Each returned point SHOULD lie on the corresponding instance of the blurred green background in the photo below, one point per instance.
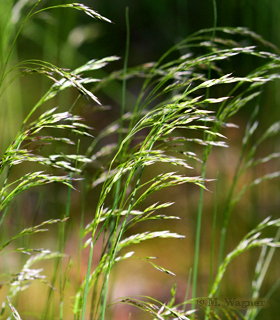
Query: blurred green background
(69, 38)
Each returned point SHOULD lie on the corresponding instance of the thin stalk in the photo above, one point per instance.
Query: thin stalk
(87, 280)
(81, 233)
(197, 240)
(125, 71)
(113, 223)
(213, 234)
(213, 244)
(118, 184)
(62, 247)
(200, 207)
(3, 215)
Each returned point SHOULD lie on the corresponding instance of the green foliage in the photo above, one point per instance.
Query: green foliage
(172, 127)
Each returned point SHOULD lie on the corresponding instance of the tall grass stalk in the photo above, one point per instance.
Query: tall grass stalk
(203, 174)
(118, 185)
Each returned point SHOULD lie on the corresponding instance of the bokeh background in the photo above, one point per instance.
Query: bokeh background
(69, 38)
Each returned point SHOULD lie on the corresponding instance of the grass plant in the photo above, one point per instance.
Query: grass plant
(184, 107)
